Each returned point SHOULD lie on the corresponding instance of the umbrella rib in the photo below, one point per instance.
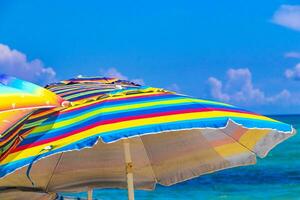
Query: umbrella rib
(147, 154)
(59, 159)
(237, 141)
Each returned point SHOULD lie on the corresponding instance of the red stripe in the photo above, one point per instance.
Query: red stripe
(129, 118)
(85, 106)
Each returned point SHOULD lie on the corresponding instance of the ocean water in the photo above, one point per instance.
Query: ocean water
(275, 177)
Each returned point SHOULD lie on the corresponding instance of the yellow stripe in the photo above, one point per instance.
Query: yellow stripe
(251, 137)
(95, 112)
(105, 110)
(120, 108)
(230, 149)
(117, 126)
(207, 114)
(7, 101)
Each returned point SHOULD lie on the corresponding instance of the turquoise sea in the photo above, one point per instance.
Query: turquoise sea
(275, 177)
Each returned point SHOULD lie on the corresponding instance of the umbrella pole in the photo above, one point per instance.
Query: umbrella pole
(129, 171)
(90, 193)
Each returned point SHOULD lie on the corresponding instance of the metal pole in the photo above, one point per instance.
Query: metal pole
(129, 171)
(90, 193)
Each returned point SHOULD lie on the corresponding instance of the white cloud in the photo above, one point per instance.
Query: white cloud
(293, 73)
(216, 89)
(114, 73)
(15, 63)
(239, 88)
(292, 54)
(282, 96)
(288, 16)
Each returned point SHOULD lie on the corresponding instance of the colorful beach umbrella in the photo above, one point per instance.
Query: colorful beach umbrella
(18, 100)
(110, 133)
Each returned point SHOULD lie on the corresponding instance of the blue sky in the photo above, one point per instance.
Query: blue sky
(244, 53)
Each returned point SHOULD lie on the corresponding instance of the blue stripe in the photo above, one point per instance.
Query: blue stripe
(12, 166)
(105, 116)
(124, 102)
(112, 136)
(98, 118)
(104, 104)
(248, 123)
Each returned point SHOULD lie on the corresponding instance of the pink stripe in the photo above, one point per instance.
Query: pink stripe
(112, 121)
(112, 100)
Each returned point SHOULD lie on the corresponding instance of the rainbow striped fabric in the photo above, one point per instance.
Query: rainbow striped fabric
(19, 100)
(113, 109)
(19, 94)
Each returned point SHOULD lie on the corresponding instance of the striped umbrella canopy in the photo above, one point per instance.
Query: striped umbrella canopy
(93, 132)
